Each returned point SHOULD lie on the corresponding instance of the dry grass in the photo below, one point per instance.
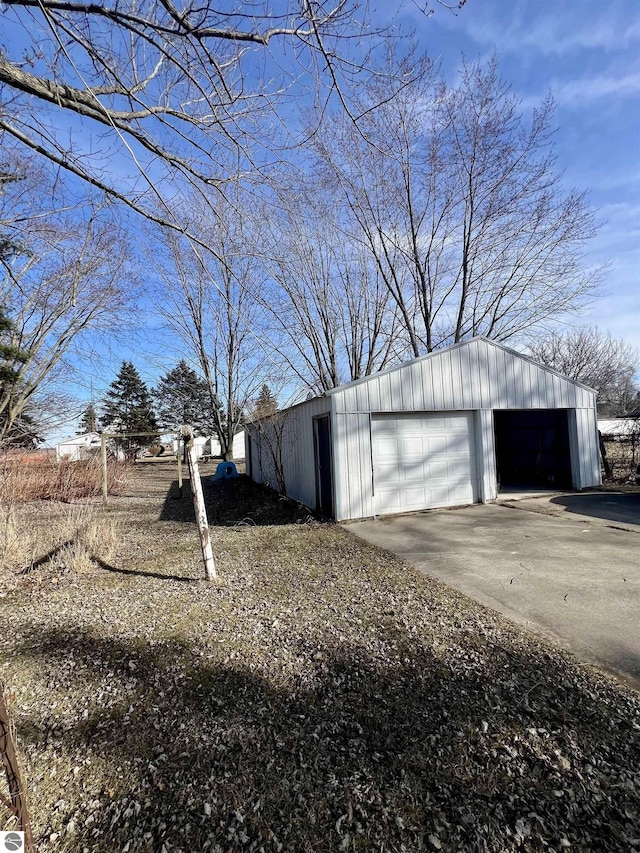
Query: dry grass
(322, 696)
(67, 538)
(624, 458)
(48, 480)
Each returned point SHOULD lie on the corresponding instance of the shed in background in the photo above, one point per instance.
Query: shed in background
(78, 447)
(450, 428)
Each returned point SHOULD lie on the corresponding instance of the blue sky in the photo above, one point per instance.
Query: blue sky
(587, 54)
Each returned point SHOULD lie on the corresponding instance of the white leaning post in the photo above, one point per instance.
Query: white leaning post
(198, 503)
(105, 470)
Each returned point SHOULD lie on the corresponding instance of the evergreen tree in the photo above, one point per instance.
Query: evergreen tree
(8, 246)
(128, 407)
(88, 421)
(16, 426)
(10, 356)
(266, 404)
(183, 397)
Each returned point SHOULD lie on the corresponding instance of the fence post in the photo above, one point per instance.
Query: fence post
(16, 801)
(179, 454)
(198, 503)
(105, 473)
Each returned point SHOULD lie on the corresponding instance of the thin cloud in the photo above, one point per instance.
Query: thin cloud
(604, 28)
(582, 91)
(586, 90)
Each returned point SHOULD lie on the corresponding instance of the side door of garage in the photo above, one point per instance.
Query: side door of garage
(423, 460)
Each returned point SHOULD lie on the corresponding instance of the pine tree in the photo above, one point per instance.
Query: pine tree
(16, 426)
(128, 408)
(266, 404)
(9, 247)
(182, 397)
(10, 356)
(88, 421)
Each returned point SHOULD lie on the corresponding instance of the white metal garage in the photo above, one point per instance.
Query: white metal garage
(449, 428)
(423, 460)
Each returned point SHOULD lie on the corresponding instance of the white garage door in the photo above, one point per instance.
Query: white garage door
(422, 461)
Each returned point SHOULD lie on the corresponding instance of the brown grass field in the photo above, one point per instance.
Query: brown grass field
(319, 696)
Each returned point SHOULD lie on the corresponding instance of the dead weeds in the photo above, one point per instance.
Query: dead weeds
(321, 696)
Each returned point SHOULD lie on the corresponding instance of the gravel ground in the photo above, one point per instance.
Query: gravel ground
(321, 696)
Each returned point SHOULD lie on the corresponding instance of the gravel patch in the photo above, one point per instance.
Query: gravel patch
(321, 696)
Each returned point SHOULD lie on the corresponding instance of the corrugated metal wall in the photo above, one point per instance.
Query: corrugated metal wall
(478, 376)
(297, 454)
(352, 465)
(583, 436)
(475, 375)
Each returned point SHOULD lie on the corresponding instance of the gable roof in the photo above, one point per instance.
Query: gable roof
(436, 353)
(80, 439)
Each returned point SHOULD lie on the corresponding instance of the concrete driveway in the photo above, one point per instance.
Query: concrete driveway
(573, 576)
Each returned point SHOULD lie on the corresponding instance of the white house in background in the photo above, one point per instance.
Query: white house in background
(238, 446)
(78, 447)
(619, 429)
(206, 446)
(447, 429)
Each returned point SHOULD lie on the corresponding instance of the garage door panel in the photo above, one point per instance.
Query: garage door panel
(435, 444)
(412, 446)
(387, 446)
(414, 497)
(388, 474)
(438, 469)
(457, 422)
(422, 461)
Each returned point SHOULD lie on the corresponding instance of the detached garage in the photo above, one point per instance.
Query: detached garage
(451, 428)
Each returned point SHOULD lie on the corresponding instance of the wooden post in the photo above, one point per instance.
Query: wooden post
(16, 802)
(179, 467)
(105, 473)
(198, 503)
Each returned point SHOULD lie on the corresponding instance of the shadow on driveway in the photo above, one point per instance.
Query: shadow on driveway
(611, 506)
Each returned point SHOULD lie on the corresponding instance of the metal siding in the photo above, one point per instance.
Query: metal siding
(438, 392)
(298, 455)
(590, 472)
(472, 376)
(340, 461)
(512, 388)
(353, 466)
(461, 378)
(417, 390)
(574, 449)
(476, 380)
(526, 384)
(476, 376)
(486, 455)
(450, 392)
(374, 395)
(461, 389)
(362, 397)
(483, 360)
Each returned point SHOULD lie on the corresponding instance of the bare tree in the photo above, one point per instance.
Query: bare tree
(210, 308)
(456, 196)
(329, 309)
(174, 89)
(276, 445)
(68, 279)
(606, 364)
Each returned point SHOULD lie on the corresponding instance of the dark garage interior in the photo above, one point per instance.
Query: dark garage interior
(532, 449)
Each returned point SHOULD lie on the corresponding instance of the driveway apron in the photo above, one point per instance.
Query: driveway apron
(573, 579)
